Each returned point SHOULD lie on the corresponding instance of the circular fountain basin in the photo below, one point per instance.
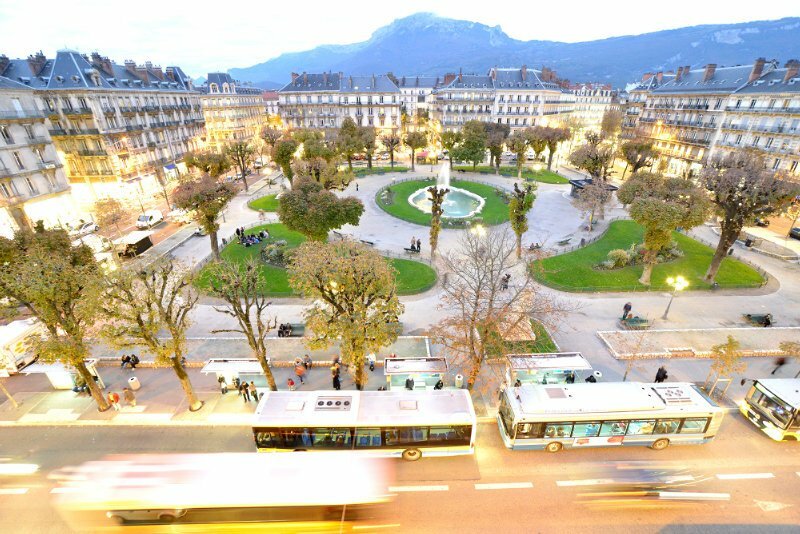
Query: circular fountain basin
(458, 203)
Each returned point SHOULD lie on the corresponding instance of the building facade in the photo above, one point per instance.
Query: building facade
(517, 97)
(33, 186)
(702, 112)
(270, 99)
(324, 100)
(592, 100)
(232, 112)
(416, 93)
(120, 130)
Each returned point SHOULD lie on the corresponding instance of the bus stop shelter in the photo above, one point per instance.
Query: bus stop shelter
(234, 370)
(62, 376)
(545, 368)
(426, 372)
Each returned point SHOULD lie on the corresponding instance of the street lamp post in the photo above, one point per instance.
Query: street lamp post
(678, 283)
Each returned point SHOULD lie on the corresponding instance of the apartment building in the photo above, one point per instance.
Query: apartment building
(518, 97)
(416, 93)
(704, 111)
(33, 186)
(120, 130)
(592, 100)
(636, 100)
(270, 99)
(232, 111)
(324, 100)
(765, 115)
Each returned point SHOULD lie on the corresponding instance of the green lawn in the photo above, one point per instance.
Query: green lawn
(543, 176)
(364, 171)
(575, 271)
(267, 203)
(412, 276)
(495, 211)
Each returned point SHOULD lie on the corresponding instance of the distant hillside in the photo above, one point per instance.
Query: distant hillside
(427, 44)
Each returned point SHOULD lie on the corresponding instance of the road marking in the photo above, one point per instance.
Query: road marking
(744, 476)
(418, 488)
(504, 485)
(13, 491)
(65, 489)
(587, 482)
(693, 495)
(771, 506)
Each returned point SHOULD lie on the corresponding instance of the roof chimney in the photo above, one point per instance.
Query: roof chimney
(460, 76)
(686, 70)
(141, 72)
(324, 78)
(170, 73)
(448, 78)
(524, 73)
(678, 74)
(646, 76)
(131, 66)
(792, 68)
(4, 61)
(374, 82)
(158, 73)
(36, 62)
(758, 69)
(659, 77)
(709, 73)
(305, 79)
(294, 76)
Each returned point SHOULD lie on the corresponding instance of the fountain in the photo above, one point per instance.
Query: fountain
(458, 203)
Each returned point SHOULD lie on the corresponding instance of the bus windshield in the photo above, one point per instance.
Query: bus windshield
(769, 404)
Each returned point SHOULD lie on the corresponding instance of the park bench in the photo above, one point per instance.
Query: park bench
(565, 242)
(411, 250)
(535, 246)
(298, 330)
(759, 319)
(368, 243)
(635, 323)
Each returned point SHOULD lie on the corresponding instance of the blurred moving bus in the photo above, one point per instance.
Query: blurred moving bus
(773, 405)
(606, 414)
(379, 423)
(228, 492)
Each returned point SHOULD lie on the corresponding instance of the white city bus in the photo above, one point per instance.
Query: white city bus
(402, 423)
(224, 492)
(773, 405)
(553, 417)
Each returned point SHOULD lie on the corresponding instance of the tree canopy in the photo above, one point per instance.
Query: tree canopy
(349, 141)
(415, 141)
(496, 135)
(518, 207)
(313, 211)
(472, 147)
(213, 164)
(282, 154)
(391, 141)
(449, 140)
(205, 198)
(241, 154)
(638, 153)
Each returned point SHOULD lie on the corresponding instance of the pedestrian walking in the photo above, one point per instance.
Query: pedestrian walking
(253, 391)
(419, 245)
(371, 360)
(113, 399)
(134, 361)
(223, 385)
(337, 384)
(290, 383)
(129, 396)
(661, 374)
(126, 360)
(245, 391)
(409, 383)
(413, 243)
(307, 361)
(300, 371)
(780, 362)
(356, 186)
(626, 310)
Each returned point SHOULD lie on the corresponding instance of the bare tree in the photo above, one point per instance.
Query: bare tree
(243, 289)
(140, 305)
(481, 312)
(592, 199)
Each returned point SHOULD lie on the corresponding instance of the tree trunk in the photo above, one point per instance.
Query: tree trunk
(726, 239)
(350, 162)
(519, 168)
(497, 165)
(391, 158)
(244, 181)
(450, 158)
(369, 161)
(591, 220)
(262, 359)
(11, 399)
(550, 155)
(519, 246)
(412, 159)
(94, 389)
(624, 171)
(646, 272)
(214, 244)
(194, 403)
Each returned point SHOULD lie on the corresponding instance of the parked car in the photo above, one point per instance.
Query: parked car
(84, 229)
(762, 222)
(795, 232)
(149, 219)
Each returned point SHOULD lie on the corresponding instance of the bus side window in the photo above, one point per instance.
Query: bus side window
(268, 438)
(368, 437)
(667, 426)
(694, 426)
(558, 430)
(641, 427)
(587, 430)
(332, 438)
(613, 428)
(529, 430)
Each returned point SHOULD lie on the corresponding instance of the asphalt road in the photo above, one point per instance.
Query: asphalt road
(516, 491)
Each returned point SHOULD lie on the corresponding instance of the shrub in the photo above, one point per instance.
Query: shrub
(618, 258)
(607, 265)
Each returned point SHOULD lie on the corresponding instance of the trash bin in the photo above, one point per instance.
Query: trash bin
(134, 383)
(459, 381)
(748, 242)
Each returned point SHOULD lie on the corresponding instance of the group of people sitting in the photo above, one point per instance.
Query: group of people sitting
(285, 330)
(249, 240)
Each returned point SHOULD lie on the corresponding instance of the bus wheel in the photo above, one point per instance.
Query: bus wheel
(300, 450)
(553, 446)
(166, 518)
(412, 455)
(660, 444)
(119, 520)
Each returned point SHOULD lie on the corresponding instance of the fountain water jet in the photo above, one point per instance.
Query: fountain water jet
(458, 203)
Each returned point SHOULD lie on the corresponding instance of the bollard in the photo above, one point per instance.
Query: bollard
(134, 383)
(459, 381)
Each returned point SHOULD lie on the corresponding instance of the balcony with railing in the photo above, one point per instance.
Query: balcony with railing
(78, 111)
(60, 132)
(763, 109)
(22, 114)
(48, 165)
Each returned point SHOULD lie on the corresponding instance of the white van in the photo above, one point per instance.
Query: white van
(149, 219)
(14, 350)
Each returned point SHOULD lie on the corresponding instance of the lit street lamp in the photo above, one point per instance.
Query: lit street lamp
(678, 283)
(478, 230)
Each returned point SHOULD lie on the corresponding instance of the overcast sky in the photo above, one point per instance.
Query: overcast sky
(202, 36)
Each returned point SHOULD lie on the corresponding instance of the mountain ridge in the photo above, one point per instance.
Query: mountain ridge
(424, 43)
